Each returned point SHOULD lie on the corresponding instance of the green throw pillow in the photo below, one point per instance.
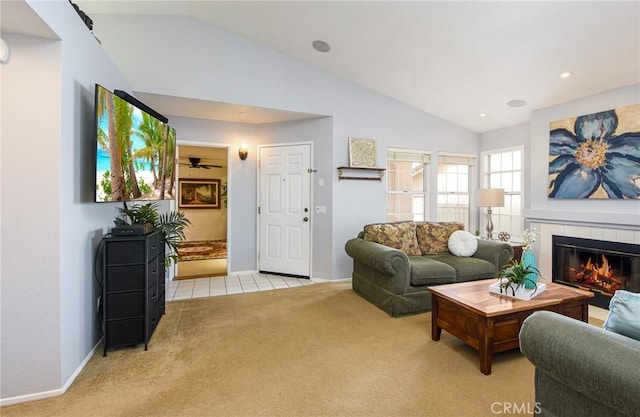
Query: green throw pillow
(624, 314)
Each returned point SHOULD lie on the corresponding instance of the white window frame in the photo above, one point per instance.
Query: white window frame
(411, 155)
(457, 159)
(505, 218)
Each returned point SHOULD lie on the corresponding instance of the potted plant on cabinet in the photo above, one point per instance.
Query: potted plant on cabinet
(171, 224)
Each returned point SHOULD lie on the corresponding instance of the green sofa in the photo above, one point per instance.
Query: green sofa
(580, 369)
(398, 283)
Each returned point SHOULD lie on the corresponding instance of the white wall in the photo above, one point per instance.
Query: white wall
(31, 339)
(318, 131)
(627, 212)
(241, 180)
(506, 138)
(211, 64)
(48, 307)
(50, 225)
(613, 220)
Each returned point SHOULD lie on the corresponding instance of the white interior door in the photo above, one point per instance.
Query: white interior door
(285, 209)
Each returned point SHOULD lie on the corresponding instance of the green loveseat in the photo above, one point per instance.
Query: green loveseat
(397, 282)
(581, 370)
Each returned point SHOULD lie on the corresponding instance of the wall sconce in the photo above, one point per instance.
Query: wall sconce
(490, 197)
(243, 152)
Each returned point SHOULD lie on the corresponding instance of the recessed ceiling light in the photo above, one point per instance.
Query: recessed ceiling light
(517, 103)
(321, 46)
(483, 115)
(565, 75)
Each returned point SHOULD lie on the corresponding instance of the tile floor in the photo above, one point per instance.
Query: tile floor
(231, 284)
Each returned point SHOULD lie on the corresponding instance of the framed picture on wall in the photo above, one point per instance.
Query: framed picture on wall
(362, 152)
(199, 193)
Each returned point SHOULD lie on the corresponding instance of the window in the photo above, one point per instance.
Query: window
(503, 169)
(454, 179)
(407, 184)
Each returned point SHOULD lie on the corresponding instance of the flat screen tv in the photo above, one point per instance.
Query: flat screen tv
(135, 150)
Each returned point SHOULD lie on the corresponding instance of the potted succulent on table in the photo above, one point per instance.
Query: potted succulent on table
(172, 224)
(514, 278)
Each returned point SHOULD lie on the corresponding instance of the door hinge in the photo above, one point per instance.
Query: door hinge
(258, 209)
(310, 171)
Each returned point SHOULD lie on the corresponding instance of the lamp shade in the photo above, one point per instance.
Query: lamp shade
(490, 197)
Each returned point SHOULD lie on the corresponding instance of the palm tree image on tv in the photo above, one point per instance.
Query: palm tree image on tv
(135, 152)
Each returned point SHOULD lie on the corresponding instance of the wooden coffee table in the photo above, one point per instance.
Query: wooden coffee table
(490, 323)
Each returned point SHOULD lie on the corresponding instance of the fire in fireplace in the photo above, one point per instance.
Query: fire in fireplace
(601, 277)
(596, 265)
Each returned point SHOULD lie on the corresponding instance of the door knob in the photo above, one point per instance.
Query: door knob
(306, 219)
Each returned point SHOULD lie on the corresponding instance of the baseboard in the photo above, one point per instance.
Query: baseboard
(30, 397)
(52, 393)
(314, 279)
(330, 280)
(183, 277)
(80, 367)
(242, 272)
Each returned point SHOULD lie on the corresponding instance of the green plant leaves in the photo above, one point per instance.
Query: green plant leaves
(172, 224)
(517, 274)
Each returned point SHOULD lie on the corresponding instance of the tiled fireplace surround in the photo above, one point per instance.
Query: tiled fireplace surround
(543, 247)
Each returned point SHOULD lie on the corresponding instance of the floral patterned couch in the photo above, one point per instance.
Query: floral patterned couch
(395, 263)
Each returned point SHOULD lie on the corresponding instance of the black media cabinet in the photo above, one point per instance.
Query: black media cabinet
(133, 289)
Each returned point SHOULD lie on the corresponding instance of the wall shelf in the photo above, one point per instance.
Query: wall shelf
(360, 173)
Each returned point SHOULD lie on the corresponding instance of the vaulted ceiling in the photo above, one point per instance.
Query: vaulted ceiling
(453, 59)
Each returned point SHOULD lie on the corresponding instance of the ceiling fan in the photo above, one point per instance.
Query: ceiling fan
(195, 163)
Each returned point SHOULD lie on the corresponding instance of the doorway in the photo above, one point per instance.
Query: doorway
(201, 196)
(284, 216)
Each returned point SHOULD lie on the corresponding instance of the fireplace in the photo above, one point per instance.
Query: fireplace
(596, 265)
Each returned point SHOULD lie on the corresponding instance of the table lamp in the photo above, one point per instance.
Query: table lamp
(490, 197)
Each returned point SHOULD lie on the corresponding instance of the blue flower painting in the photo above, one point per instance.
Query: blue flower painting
(598, 158)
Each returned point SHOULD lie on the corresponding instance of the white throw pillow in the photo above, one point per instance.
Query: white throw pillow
(462, 243)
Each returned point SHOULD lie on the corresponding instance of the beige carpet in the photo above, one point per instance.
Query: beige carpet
(317, 350)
